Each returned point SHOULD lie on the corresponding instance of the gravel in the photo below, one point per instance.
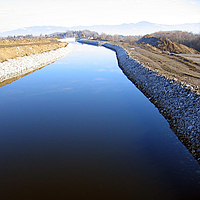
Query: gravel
(88, 42)
(176, 102)
(23, 65)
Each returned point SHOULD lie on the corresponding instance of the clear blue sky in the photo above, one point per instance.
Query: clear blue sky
(23, 13)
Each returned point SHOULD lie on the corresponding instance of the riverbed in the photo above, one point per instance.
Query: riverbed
(79, 129)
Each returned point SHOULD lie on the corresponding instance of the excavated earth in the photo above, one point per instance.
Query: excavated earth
(183, 68)
(166, 44)
(13, 48)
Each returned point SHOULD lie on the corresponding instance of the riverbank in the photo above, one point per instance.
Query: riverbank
(183, 68)
(178, 104)
(16, 68)
(88, 42)
(175, 101)
(14, 48)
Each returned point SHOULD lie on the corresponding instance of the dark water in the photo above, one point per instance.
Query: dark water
(79, 129)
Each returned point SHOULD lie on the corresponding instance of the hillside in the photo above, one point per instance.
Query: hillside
(166, 44)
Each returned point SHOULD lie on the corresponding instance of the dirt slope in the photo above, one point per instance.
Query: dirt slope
(23, 47)
(166, 44)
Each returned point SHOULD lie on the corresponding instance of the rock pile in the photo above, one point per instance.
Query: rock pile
(177, 103)
(23, 65)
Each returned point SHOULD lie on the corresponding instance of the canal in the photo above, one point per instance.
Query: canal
(79, 129)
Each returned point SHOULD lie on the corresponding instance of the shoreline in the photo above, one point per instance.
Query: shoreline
(88, 42)
(178, 104)
(21, 66)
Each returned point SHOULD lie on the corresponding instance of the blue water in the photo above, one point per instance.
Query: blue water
(79, 129)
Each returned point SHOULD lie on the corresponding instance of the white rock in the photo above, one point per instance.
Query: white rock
(26, 64)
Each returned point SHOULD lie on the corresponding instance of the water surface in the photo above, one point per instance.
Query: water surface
(79, 129)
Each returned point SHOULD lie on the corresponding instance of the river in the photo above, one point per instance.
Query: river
(79, 129)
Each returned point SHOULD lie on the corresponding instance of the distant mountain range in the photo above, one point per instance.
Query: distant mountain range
(34, 30)
(140, 28)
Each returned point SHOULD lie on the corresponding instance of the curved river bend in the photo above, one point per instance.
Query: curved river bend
(79, 129)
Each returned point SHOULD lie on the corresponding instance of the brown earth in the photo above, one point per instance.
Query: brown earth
(165, 44)
(13, 48)
(180, 67)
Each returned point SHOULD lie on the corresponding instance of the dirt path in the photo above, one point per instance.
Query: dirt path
(184, 68)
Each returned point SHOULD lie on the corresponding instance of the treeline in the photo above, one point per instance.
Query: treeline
(96, 35)
(22, 37)
(76, 34)
(189, 39)
(120, 38)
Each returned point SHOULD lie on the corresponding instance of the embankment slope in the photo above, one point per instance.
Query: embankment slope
(33, 56)
(177, 103)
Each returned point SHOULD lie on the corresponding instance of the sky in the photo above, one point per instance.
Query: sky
(16, 14)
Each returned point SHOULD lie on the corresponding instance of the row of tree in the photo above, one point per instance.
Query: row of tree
(120, 38)
(96, 35)
(76, 34)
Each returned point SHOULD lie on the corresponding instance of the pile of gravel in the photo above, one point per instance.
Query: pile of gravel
(177, 103)
(23, 65)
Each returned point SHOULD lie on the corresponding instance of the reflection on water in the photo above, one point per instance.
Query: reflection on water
(79, 129)
(8, 81)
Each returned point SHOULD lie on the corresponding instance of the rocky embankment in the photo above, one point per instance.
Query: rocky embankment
(88, 42)
(178, 104)
(26, 64)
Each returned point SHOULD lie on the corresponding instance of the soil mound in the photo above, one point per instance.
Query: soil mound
(165, 44)
(13, 48)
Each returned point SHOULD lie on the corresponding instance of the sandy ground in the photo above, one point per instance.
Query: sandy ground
(184, 68)
(13, 48)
